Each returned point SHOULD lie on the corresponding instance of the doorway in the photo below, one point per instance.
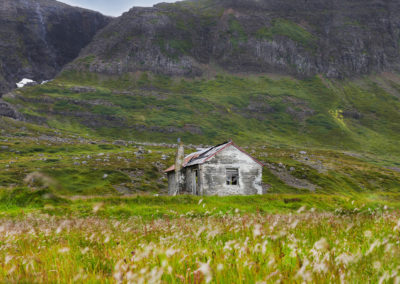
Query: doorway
(195, 182)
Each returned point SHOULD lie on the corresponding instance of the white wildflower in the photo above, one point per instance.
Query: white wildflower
(294, 224)
(320, 267)
(374, 245)
(85, 250)
(257, 230)
(345, 259)
(97, 207)
(397, 227)
(170, 252)
(7, 259)
(384, 278)
(301, 209)
(368, 234)
(321, 245)
(303, 272)
(63, 250)
(377, 265)
(205, 269)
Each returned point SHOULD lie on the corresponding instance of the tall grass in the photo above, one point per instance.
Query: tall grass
(219, 248)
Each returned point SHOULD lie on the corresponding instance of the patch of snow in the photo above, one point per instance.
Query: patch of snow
(25, 82)
(45, 82)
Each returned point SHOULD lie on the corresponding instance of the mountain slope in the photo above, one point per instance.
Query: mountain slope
(361, 115)
(132, 81)
(38, 37)
(192, 38)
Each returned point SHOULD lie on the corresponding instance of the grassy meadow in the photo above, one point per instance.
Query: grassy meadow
(78, 205)
(76, 209)
(215, 246)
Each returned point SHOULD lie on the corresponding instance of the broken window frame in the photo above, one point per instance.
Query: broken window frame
(232, 176)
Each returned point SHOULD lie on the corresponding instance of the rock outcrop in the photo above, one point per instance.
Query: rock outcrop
(8, 110)
(38, 37)
(337, 38)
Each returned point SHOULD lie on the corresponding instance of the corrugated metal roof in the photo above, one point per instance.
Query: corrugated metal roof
(207, 154)
(203, 156)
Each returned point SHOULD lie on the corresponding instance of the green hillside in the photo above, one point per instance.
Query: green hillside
(299, 129)
(361, 115)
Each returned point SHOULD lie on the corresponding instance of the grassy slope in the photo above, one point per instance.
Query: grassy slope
(77, 166)
(349, 130)
(357, 116)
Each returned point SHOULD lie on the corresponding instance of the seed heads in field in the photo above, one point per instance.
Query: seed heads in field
(321, 245)
(7, 259)
(97, 207)
(64, 250)
(12, 269)
(303, 273)
(345, 259)
(294, 224)
(368, 234)
(373, 246)
(257, 230)
(397, 227)
(377, 265)
(171, 252)
(163, 250)
(85, 250)
(301, 209)
(320, 267)
(205, 269)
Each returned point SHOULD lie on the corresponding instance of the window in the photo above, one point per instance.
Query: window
(232, 176)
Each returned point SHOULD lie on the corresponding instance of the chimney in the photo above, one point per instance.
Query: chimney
(180, 156)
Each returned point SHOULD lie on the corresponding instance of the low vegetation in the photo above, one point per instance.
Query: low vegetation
(216, 246)
(77, 205)
(76, 209)
(357, 116)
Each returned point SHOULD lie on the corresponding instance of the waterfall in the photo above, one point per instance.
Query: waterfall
(42, 25)
(43, 36)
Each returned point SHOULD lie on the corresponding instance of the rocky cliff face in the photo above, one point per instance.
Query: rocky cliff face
(338, 38)
(38, 37)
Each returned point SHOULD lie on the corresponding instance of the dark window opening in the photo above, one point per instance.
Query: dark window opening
(232, 176)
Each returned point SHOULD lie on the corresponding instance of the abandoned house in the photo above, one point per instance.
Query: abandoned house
(221, 170)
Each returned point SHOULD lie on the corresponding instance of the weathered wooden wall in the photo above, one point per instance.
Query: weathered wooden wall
(171, 183)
